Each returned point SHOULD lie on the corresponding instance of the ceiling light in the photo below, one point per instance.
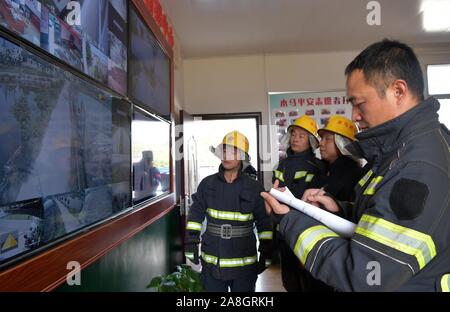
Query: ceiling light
(436, 15)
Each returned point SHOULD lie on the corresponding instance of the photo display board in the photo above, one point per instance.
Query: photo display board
(285, 108)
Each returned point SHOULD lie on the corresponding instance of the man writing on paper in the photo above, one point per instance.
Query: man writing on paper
(402, 204)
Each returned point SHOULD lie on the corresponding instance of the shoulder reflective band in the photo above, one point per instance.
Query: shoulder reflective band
(279, 175)
(309, 177)
(229, 215)
(189, 255)
(406, 240)
(445, 283)
(300, 174)
(195, 226)
(309, 238)
(365, 178)
(370, 190)
(265, 235)
(229, 263)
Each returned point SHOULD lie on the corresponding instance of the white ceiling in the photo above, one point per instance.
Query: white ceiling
(209, 28)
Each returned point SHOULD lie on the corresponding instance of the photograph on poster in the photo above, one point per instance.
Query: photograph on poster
(309, 112)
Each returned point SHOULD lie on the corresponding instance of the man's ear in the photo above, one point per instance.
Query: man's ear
(400, 91)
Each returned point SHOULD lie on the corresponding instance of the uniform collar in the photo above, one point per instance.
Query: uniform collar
(304, 154)
(221, 172)
(384, 138)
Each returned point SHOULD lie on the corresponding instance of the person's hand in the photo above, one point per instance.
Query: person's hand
(317, 198)
(191, 253)
(273, 206)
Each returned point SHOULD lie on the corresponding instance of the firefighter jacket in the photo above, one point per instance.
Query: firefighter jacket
(342, 176)
(402, 238)
(237, 204)
(300, 171)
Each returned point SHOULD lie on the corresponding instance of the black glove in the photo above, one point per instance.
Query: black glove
(263, 263)
(276, 218)
(191, 252)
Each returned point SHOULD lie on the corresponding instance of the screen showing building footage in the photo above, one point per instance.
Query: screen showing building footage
(65, 158)
(90, 35)
(149, 68)
(150, 152)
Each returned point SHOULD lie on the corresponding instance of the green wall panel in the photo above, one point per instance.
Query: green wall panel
(129, 267)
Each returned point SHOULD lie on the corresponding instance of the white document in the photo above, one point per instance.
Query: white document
(337, 224)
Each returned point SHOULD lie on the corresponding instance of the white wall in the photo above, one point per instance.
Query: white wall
(241, 83)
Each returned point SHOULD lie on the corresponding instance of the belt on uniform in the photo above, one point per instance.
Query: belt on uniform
(228, 231)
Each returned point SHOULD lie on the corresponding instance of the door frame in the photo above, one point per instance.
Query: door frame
(246, 115)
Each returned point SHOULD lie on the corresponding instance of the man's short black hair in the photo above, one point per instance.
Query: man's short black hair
(388, 60)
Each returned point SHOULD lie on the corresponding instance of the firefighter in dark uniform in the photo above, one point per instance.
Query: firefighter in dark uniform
(299, 171)
(343, 172)
(402, 209)
(232, 206)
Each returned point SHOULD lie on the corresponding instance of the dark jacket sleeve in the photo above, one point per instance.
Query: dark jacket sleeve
(396, 235)
(196, 214)
(263, 223)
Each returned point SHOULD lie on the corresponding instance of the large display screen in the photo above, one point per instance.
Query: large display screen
(90, 35)
(151, 156)
(149, 68)
(65, 147)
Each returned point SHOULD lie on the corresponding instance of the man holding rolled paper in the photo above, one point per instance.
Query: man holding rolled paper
(401, 239)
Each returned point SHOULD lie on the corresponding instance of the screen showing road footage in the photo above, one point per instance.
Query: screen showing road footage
(90, 35)
(149, 68)
(65, 160)
(151, 156)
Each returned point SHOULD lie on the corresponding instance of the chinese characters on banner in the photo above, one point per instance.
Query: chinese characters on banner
(156, 10)
(285, 108)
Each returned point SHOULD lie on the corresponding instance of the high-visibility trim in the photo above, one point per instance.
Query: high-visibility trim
(406, 240)
(229, 263)
(189, 255)
(365, 178)
(370, 190)
(300, 174)
(279, 175)
(309, 177)
(229, 215)
(445, 283)
(265, 235)
(309, 238)
(195, 226)
(268, 262)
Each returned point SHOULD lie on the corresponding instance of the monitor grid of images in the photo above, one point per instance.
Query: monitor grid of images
(65, 160)
(149, 68)
(90, 35)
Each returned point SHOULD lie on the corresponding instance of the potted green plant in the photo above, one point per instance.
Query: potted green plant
(183, 280)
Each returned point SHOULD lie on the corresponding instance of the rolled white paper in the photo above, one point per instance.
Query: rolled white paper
(337, 224)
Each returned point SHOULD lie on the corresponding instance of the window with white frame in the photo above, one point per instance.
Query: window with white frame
(439, 87)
